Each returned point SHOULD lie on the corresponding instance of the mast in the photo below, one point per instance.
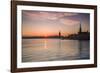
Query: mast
(80, 29)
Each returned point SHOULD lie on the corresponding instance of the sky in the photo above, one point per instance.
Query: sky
(48, 23)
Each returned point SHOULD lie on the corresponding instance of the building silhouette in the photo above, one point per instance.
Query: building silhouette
(59, 34)
(80, 29)
(81, 35)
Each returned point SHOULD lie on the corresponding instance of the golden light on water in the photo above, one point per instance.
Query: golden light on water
(50, 50)
(45, 44)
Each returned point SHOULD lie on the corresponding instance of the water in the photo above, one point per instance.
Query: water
(38, 50)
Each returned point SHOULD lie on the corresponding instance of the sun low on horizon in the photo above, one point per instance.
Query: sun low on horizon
(48, 23)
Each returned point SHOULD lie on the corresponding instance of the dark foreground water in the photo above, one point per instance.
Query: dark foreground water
(37, 50)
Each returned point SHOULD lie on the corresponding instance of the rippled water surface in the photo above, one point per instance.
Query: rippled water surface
(36, 50)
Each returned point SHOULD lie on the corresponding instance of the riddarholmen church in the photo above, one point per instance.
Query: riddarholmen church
(79, 36)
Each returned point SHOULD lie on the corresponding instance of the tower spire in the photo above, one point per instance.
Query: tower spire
(59, 34)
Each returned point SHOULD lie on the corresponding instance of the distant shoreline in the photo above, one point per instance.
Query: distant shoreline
(55, 38)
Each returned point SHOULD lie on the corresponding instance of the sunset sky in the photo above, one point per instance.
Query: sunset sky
(47, 23)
